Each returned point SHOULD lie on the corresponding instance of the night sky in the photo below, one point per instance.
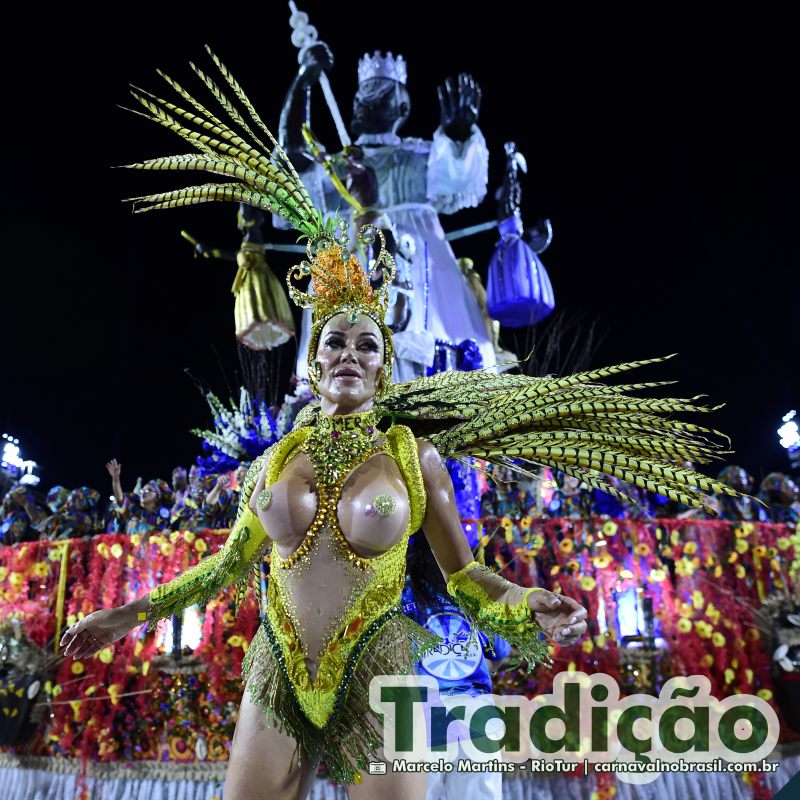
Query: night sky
(663, 150)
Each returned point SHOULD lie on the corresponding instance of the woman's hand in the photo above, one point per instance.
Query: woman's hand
(561, 618)
(97, 630)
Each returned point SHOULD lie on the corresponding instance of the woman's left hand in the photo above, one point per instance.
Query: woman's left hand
(561, 618)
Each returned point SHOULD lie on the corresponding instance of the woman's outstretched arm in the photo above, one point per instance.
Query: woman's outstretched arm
(491, 600)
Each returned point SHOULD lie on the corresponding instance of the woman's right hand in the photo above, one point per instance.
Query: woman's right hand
(97, 630)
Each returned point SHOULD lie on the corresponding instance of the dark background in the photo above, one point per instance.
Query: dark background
(663, 149)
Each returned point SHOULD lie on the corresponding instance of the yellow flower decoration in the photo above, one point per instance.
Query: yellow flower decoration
(106, 655)
(601, 561)
(704, 630)
(675, 538)
(167, 548)
(740, 571)
(765, 694)
(116, 549)
(748, 528)
(642, 549)
(729, 675)
(657, 575)
(609, 528)
(718, 571)
(525, 522)
(136, 540)
(77, 668)
(666, 552)
(587, 646)
(690, 548)
(114, 691)
(625, 574)
(718, 640)
(707, 661)
(739, 533)
(742, 546)
(684, 568)
(566, 545)
(16, 580)
(188, 537)
(555, 570)
(41, 569)
(200, 546)
(760, 551)
(236, 640)
(698, 601)
(684, 625)
(588, 583)
(174, 536)
(733, 557)
(685, 610)
(713, 613)
(102, 548)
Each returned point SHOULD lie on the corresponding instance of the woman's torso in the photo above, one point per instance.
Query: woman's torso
(323, 575)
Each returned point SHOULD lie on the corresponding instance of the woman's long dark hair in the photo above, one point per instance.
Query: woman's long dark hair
(425, 577)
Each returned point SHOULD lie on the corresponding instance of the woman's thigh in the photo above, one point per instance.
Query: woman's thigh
(263, 762)
(392, 785)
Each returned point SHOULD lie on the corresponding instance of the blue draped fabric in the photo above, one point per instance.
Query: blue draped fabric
(519, 291)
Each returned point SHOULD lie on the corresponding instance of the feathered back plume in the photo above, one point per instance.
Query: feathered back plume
(261, 175)
(571, 424)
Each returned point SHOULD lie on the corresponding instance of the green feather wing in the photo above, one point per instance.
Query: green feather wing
(573, 424)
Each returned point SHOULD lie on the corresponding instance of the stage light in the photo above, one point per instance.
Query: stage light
(788, 432)
(11, 455)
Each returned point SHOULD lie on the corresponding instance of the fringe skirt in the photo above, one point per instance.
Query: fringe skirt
(352, 735)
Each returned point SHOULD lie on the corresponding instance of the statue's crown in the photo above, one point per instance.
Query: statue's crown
(378, 66)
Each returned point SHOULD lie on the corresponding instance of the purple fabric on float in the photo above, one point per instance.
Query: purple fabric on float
(519, 291)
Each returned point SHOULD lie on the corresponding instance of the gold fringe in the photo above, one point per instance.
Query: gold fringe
(352, 735)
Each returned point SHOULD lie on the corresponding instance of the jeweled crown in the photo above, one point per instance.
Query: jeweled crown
(340, 285)
(378, 66)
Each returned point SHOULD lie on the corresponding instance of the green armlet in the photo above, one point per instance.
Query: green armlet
(233, 564)
(514, 623)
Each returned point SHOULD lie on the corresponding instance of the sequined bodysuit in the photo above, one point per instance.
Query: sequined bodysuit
(331, 592)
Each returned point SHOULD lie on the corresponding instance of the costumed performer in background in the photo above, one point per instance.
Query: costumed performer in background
(337, 498)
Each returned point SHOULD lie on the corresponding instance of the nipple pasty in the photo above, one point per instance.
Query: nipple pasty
(384, 504)
(264, 499)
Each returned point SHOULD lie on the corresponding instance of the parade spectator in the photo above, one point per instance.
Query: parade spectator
(19, 516)
(779, 493)
(180, 487)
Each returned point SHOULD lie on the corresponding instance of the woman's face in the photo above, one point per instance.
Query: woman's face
(350, 357)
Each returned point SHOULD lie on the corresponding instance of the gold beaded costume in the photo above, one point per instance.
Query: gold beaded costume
(309, 668)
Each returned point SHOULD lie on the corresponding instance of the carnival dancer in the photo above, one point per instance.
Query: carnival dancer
(337, 498)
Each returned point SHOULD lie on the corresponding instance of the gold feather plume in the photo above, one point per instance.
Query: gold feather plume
(260, 176)
(573, 424)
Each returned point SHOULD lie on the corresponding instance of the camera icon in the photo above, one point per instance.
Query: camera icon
(377, 768)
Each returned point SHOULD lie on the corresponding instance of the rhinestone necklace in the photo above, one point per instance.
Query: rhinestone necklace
(337, 444)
